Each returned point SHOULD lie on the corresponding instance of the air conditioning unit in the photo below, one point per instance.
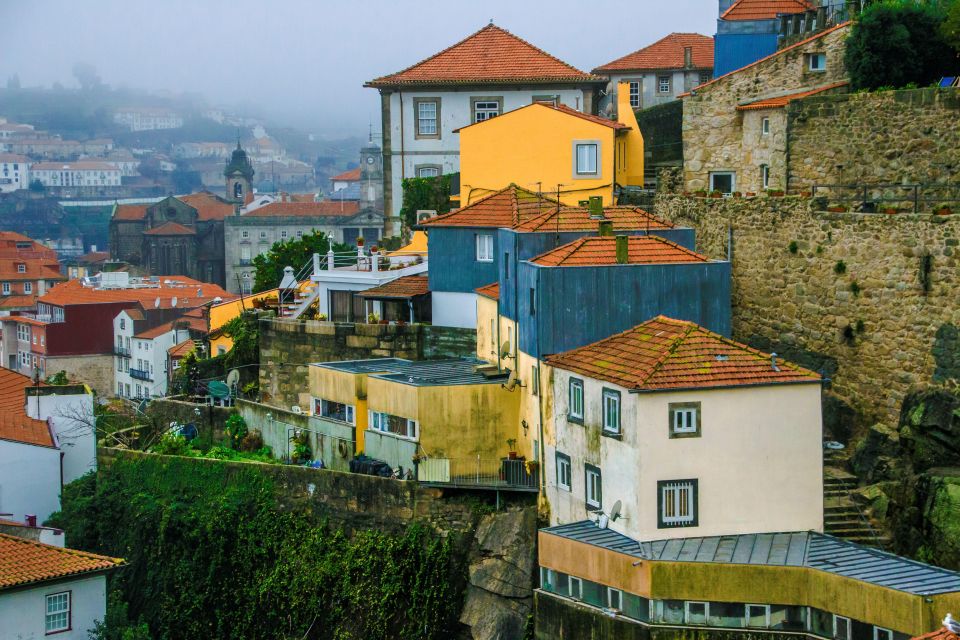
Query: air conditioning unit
(296, 409)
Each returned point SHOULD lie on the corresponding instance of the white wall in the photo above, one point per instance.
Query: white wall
(758, 460)
(74, 424)
(29, 480)
(22, 612)
(454, 309)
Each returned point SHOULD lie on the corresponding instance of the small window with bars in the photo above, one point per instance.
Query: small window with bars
(677, 503)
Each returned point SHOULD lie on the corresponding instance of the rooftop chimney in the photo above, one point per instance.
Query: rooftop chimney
(623, 251)
(30, 520)
(605, 227)
(596, 206)
(688, 57)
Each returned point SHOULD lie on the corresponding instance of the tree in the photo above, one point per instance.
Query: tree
(37, 187)
(86, 74)
(184, 179)
(293, 253)
(894, 43)
(424, 193)
(950, 29)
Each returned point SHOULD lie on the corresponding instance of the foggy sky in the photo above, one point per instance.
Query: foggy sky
(304, 62)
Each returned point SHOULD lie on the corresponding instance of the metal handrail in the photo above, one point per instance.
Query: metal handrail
(478, 472)
(868, 195)
(141, 374)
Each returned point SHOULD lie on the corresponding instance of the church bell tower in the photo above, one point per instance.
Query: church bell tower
(239, 175)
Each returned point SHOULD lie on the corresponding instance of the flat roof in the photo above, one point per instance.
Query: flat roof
(373, 365)
(420, 373)
(808, 549)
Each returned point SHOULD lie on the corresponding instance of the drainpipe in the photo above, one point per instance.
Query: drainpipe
(403, 158)
(543, 461)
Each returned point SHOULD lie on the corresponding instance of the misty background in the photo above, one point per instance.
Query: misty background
(301, 63)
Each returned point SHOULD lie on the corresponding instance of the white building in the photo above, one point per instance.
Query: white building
(141, 354)
(84, 173)
(14, 172)
(480, 77)
(49, 591)
(148, 118)
(690, 433)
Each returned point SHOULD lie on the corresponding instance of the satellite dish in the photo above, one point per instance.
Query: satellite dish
(511, 381)
(615, 511)
(156, 303)
(217, 300)
(505, 349)
(218, 389)
(233, 378)
(296, 409)
(173, 302)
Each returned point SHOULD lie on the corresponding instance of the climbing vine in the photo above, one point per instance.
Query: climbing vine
(211, 554)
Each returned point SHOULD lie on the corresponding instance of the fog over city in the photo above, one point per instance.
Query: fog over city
(303, 63)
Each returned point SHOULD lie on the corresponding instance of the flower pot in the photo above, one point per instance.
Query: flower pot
(890, 211)
(837, 209)
(512, 455)
(751, 194)
(359, 242)
(945, 211)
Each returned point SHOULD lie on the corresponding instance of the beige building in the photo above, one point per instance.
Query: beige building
(692, 434)
(735, 127)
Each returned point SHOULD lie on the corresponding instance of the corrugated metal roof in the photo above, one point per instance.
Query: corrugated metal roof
(795, 549)
(373, 365)
(421, 373)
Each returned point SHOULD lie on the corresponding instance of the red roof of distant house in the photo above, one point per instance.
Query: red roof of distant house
(405, 287)
(666, 53)
(14, 157)
(348, 176)
(505, 208)
(940, 634)
(664, 353)
(33, 322)
(24, 562)
(182, 288)
(208, 206)
(782, 101)
(14, 423)
(130, 212)
(170, 229)
(624, 218)
(491, 291)
(18, 302)
(327, 208)
(764, 9)
(182, 349)
(596, 251)
(562, 108)
(94, 257)
(492, 55)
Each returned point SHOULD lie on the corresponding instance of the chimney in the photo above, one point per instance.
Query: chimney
(31, 520)
(623, 250)
(605, 228)
(596, 207)
(688, 57)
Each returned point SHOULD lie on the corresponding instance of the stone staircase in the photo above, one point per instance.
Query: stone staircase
(841, 515)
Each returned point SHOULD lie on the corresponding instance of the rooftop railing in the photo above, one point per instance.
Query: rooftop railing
(141, 374)
(480, 473)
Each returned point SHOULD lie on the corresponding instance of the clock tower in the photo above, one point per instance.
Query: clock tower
(371, 176)
(239, 175)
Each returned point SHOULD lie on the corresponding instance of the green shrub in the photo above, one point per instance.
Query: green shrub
(236, 429)
(840, 268)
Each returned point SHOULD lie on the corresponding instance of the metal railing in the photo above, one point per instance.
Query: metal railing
(141, 374)
(886, 197)
(489, 473)
(123, 352)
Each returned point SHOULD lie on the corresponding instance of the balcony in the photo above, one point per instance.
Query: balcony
(123, 352)
(141, 374)
(480, 473)
(245, 262)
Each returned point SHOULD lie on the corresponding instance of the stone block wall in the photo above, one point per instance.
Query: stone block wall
(872, 300)
(287, 347)
(209, 420)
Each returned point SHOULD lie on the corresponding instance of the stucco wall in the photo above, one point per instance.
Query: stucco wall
(29, 480)
(22, 612)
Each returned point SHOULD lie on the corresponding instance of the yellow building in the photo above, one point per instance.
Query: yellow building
(543, 145)
(224, 312)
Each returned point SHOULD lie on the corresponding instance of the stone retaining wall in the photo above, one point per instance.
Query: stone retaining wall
(869, 299)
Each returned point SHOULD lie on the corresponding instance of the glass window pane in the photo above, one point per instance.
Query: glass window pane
(696, 613)
(725, 614)
(673, 611)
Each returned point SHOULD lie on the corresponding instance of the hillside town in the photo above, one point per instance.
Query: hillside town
(666, 348)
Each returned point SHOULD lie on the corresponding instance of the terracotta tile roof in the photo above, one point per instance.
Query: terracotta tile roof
(14, 157)
(73, 166)
(133, 313)
(764, 9)
(130, 212)
(624, 218)
(505, 208)
(666, 53)
(613, 124)
(170, 229)
(189, 320)
(664, 353)
(491, 291)
(33, 322)
(405, 287)
(20, 302)
(13, 236)
(153, 332)
(180, 350)
(14, 423)
(347, 176)
(327, 208)
(25, 562)
(43, 269)
(492, 55)
(940, 634)
(208, 205)
(599, 251)
(782, 101)
(94, 257)
(181, 287)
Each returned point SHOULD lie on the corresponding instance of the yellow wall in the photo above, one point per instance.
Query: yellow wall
(531, 145)
(486, 337)
(630, 151)
(221, 314)
(345, 387)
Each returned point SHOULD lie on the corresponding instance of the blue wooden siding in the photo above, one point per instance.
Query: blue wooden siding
(579, 305)
(733, 51)
(453, 259)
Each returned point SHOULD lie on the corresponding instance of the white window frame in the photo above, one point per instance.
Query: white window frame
(424, 118)
(684, 420)
(611, 399)
(880, 633)
(548, 578)
(21, 268)
(586, 164)
(564, 472)
(664, 81)
(593, 487)
(483, 111)
(849, 627)
(671, 493)
(818, 58)
(765, 126)
(62, 607)
(733, 180)
(614, 599)
(636, 93)
(747, 616)
(579, 591)
(765, 175)
(484, 247)
(428, 172)
(244, 234)
(686, 612)
(351, 410)
(6, 288)
(575, 402)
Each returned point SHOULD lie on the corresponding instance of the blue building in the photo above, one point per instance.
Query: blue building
(748, 30)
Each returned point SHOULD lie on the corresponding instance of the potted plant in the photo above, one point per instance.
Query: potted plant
(836, 209)
(737, 194)
(890, 211)
(751, 194)
(775, 193)
(806, 194)
(359, 241)
(532, 467)
(700, 193)
(943, 210)
(716, 193)
(374, 249)
(512, 448)
(321, 316)
(373, 318)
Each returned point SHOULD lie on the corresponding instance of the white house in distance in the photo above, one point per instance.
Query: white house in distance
(85, 173)
(14, 172)
(50, 591)
(148, 118)
(692, 433)
(141, 360)
(480, 77)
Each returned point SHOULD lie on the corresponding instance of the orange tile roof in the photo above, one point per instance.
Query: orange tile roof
(562, 108)
(348, 176)
(187, 321)
(327, 208)
(624, 218)
(492, 55)
(182, 288)
(664, 353)
(24, 562)
(491, 291)
(14, 423)
(42, 269)
(782, 101)
(33, 322)
(130, 212)
(208, 205)
(666, 53)
(170, 229)
(405, 287)
(764, 9)
(8, 302)
(505, 208)
(182, 349)
(940, 634)
(14, 157)
(599, 251)
(94, 257)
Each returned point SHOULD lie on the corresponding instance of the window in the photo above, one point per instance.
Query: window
(506, 266)
(677, 503)
(244, 234)
(484, 109)
(429, 171)
(299, 233)
(758, 616)
(765, 127)
(139, 392)
(263, 235)
(594, 487)
(28, 287)
(879, 633)
(387, 423)
(723, 181)
(533, 301)
(684, 419)
(841, 628)
(663, 84)
(120, 389)
(535, 380)
(611, 412)
(585, 158)
(614, 599)
(283, 233)
(817, 61)
(126, 388)
(576, 588)
(635, 89)
(6, 288)
(123, 324)
(695, 613)
(428, 115)
(704, 77)
(575, 401)
(484, 247)
(564, 479)
(765, 175)
(548, 578)
(334, 410)
(21, 268)
(58, 612)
